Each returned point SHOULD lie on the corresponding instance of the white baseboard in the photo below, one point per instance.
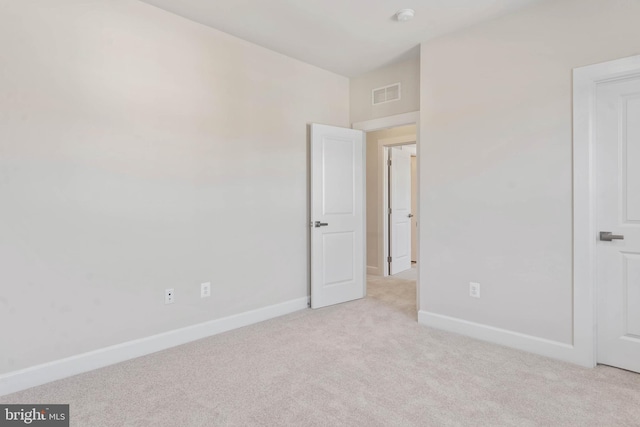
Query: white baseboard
(373, 270)
(541, 346)
(74, 365)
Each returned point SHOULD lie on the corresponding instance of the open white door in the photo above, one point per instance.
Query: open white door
(618, 216)
(338, 269)
(400, 216)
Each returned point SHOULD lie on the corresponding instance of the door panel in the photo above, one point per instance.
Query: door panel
(631, 156)
(400, 218)
(338, 267)
(337, 174)
(618, 211)
(631, 278)
(339, 256)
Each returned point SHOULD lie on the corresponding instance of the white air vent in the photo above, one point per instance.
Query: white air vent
(386, 94)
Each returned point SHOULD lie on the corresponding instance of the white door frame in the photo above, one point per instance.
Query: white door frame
(390, 122)
(585, 81)
(383, 191)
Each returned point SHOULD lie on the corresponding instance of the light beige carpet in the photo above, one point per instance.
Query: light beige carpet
(364, 363)
(410, 274)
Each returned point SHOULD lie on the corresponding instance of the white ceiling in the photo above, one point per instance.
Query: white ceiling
(348, 37)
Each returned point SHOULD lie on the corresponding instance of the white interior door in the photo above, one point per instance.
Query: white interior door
(618, 212)
(400, 216)
(338, 269)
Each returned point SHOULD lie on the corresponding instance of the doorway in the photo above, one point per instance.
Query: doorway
(391, 225)
(399, 133)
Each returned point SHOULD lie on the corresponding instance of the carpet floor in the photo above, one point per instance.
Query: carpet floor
(363, 363)
(410, 274)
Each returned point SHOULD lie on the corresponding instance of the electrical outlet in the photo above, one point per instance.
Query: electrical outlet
(205, 290)
(168, 296)
(474, 290)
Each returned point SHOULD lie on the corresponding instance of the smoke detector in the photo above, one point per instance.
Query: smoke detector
(404, 15)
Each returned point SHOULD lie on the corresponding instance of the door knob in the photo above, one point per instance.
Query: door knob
(321, 224)
(410, 215)
(607, 236)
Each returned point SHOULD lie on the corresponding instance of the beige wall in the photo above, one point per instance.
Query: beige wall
(406, 72)
(496, 186)
(374, 191)
(140, 151)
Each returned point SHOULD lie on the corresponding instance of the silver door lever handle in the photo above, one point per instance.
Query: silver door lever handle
(607, 236)
(321, 224)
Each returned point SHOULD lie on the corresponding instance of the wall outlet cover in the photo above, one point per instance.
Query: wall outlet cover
(169, 297)
(205, 290)
(474, 289)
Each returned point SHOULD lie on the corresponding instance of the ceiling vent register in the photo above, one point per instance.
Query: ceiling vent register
(386, 94)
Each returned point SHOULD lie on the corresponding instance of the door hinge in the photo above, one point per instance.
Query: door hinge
(389, 162)
(390, 210)
(388, 259)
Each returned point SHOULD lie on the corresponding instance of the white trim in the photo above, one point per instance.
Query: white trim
(74, 365)
(554, 349)
(585, 81)
(374, 271)
(388, 122)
